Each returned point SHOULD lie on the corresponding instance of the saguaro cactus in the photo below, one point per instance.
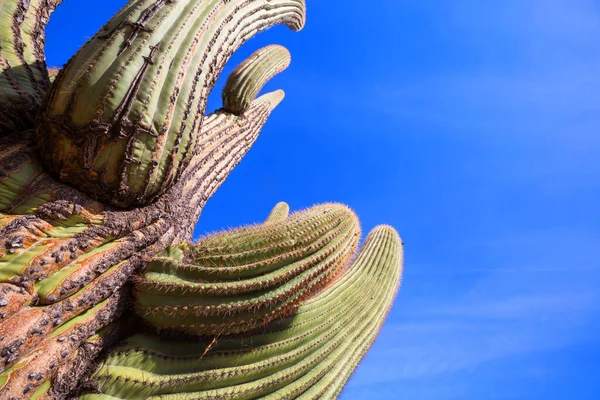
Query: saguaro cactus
(105, 167)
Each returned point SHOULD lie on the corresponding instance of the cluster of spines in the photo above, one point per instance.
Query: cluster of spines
(123, 116)
(232, 288)
(309, 355)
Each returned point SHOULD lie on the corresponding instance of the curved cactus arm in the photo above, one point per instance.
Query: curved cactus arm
(308, 355)
(383, 252)
(23, 79)
(279, 213)
(246, 81)
(123, 117)
(228, 290)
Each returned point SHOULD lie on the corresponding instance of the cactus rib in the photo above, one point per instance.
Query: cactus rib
(56, 350)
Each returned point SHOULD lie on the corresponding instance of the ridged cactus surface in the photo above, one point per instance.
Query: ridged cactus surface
(70, 252)
(309, 355)
(240, 280)
(105, 167)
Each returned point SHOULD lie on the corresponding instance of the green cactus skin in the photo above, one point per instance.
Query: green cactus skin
(279, 213)
(123, 117)
(309, 355)
(24, 80)
(247, 283)
(246, 81)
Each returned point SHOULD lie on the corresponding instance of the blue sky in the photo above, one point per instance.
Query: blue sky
(470, 126)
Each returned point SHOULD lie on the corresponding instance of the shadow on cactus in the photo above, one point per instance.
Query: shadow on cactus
(105, 167)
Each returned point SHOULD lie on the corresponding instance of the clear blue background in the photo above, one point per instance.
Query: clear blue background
(472, 127)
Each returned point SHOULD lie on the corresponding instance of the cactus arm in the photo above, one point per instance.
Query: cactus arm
(225, 144)
(307, 355)
(279, 213)
(256, 250)
(24, 79)
(173, 295)
(386, 248)
(246, 81)
(123, 117)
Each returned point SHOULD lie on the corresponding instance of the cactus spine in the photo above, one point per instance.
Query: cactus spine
(101, 185)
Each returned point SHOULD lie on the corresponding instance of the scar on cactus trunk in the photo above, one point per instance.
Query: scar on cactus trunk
(105, 167)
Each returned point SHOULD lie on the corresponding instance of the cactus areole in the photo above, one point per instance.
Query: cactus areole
(105, 166)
